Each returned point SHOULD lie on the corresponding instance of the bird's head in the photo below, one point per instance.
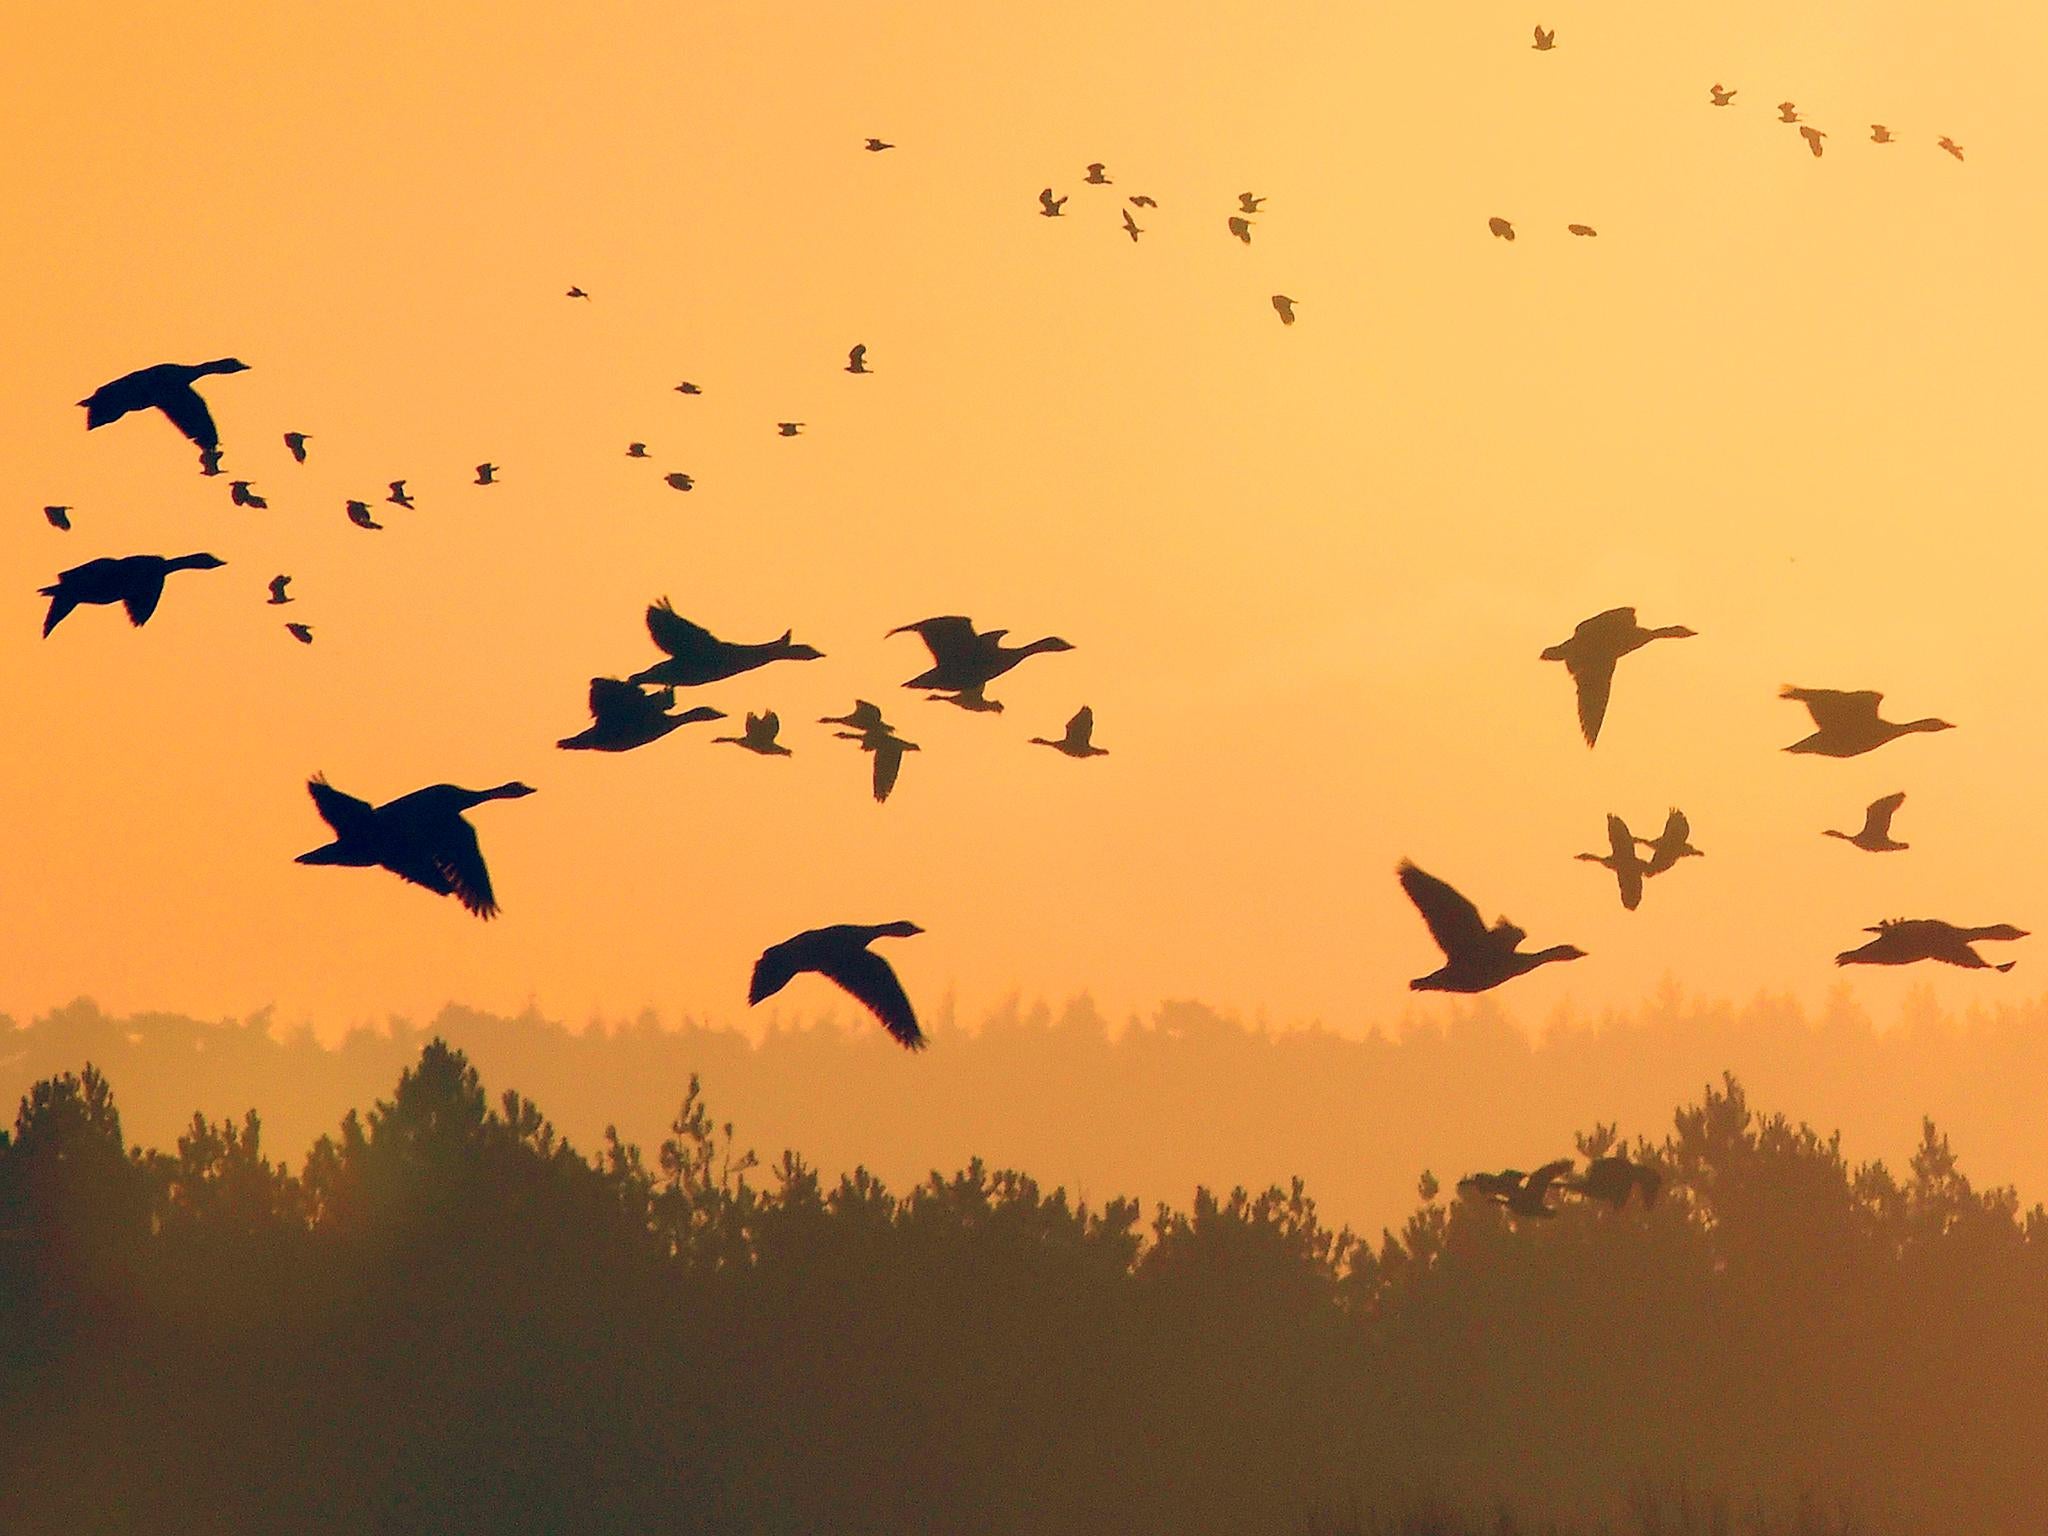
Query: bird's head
(512, 791)
(901, 930)
(205, 562)
(231, 365)
(798, 651)
(1055, 643)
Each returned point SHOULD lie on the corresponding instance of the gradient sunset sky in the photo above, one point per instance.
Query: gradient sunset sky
(1791, 403)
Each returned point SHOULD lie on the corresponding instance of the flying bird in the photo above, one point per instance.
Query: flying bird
(577, 293)
(277, 586)
(420, 837)
(696, 656)
(1131, 227)
(789, 428)
(636, 450)
(840, 954)
(1905, 941)
(1615, 1178)
(1813, 136)
(1670, 845)
(624, 716)
(1095, 178)
(1622, 860)
(1522, 1194)
(242, 496)
(1846, 724)
(1950, 145)
(963, 659)
(1142, 201)
(862, 717)
(1076, 742)
(303, 633)
(1879, 134)
(58, 517)
(399, 496)
(1545, 41)
(1241, 227)
(760, 736)
(296, 442)
(687, 388)
(134, 581)
(1721, 98)
(359, 514)
(876, 146)
(1246, 203)
(209, 461)
(1591, 653)
(166, 387)
(1050, 206)
(857, 360)
(1476, 958)
(679, 480)
(888, 749)
(1502, 228)
(1582, 229)
(1787, 113)
(487, 474)
(1875, 835)
(1283, 306)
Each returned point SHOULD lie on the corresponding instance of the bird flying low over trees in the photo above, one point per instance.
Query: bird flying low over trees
(1907, 940)
(1476, 958)
(841, 954)
(421, 838)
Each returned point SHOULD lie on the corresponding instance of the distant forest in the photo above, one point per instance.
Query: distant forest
(450, 1320)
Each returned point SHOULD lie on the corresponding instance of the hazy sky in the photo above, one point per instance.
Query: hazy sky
(1790, 403)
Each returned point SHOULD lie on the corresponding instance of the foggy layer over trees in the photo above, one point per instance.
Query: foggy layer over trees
(449, 1320)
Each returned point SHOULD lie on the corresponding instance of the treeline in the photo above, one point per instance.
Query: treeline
(450, 1320)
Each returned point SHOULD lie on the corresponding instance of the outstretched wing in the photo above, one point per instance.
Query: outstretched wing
(1834, 710)
(1541, 1180)
(868, 977)
(947, 637)
(189, 415)
(888, 764)
(142, 599)
(676, 634)
(1877, 819)
(613, 698)
(459, 861)
(1082, 726)
(1594, 676)
(352, 819)
(1453, 921)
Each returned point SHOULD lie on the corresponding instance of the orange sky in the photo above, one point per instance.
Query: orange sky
(1790, 403)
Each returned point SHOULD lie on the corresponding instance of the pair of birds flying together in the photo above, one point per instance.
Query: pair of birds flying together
(1612, 1178)
(1630, 868)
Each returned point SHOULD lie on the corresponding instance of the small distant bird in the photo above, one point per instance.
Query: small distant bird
(166, 387)
(1904, 941)
(296, 442)
(1142, 201)
(60, 517)
(242, 496)
(679, 480)
(1721, 97)
(1077, 741)
(1246, 203)
(1476, 958)
(876, 146)
(1545, 41)
(1615, 1178)
(487, 474)
(857, 360)
(1095, 178)
(1875, 835)
(841, 955)
(624, 716)
(420, 837)
(1813, 136)
(1502, 228)
(1846, 724)
(1670, 845)
(1622, 860)
(134, 581)
(303, 633)
(1582, 229)
(636, 450)
(687, 388)
(760, 736)
(696, 656)
(1591, 653)
(1787, 113)
(277, 586)
(577, 293)
(359, 514)
(1950, 145)
(1049, 205)
(1879, 134)
(1283, 306)
(1241, 227)
(789, 428)
(972, 699)
(862, 717)
(209, 461)
(1131, 227)
(399, 496)
(963, 659)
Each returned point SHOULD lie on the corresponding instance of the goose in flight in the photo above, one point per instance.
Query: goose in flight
(277, 586)
(840, 954)
(1131, 227)
(576, 293)
(789, 428)
(359, 514)
(420, 837)
(1241, 227)
(1283, 306)
(1582, 230)
(303, 633)
(1501, 228)
(636, 450)
(1720, 97)
(400, 497)
(296, 442)
(1787, 112)
(1950, 145)
(1813, 136)
(696, 656)
(679, 481)
(1670, 845)
(687, 388)
(1050, 206)
(1523, 1194)
(1615, 1178)
(760, 736)
(1545, 41)
(623, 717)
(1476, 957)
(1591, 653)
(58, 517)
(1875, 835)
(888, 749)
(963, 659)
(1846, 724)
(876, 146)
(209, 462)
(974, 700)
(1095, 178)
(166, 387)
(1142, 201)
(1903, 941)
(487, 474)
(1076, 742)
(862, 717)
(857, 360)
(1879, 134)
(1621, 858)
(1247, 203)
(134, 581)
(242, 496)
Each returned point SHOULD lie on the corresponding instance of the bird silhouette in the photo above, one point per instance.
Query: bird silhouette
(1591, 653)
(789, 428)
(58, 517)
(1076, 742)
(1545, 41)
(1476, 958)
(242, 496)
(1095, 178)
(876, 146)
(1615, 1178)
(1131, 227)
(487, 474)
(1502, 228)
(1879, 134)
(1904, 941)
(1670, 845)
(1247, 203)
(878, 738)
(1142, 201)
(696, 656)
(1813, 136)
(296, 442)
(359, 514)
(1950, 145)
(420, 837)
(862, 717)
(760, 736)
(687, 388)
(209, 461)
(1720, 97)
(303, 633)
(1582, 229)
(857, 360)
(1622, 860)
(1283, 306)
(135, 581)
(624, 716)
(577, 293)
(974, 700)
(1523, 1194)
(1050, 206)
(1846, 724)
(1875, 835)
(166, 387)
(277, 586)
(964, 659)
(1787, 113)
(679, 480)
(399, 496)
(1241, 227)
(840, 954)
(636, 450)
